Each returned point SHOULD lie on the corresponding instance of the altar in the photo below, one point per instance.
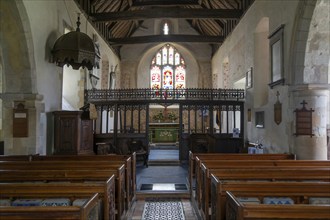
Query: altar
(163, 132)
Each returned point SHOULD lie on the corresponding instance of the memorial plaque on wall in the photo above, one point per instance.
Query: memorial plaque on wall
(304, 121)
(20, 121)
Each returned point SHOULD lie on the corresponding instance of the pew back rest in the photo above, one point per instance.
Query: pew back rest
(236, 210)
(300, 192)
(88, 211)
(274, 173)
(106, 190)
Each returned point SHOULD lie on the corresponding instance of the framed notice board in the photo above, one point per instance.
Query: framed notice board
(304, 121)
(20, 121)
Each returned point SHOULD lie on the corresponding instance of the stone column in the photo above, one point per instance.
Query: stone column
(317, 97)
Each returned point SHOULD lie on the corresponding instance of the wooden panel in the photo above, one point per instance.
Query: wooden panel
(20, 122)
(73, 134)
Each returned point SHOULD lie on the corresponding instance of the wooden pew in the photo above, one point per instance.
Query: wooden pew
(87, 211)
(300, 192)
(237, 210)
(77, 175)
(129, 159)
(264, 174)
(73, 165)
(105, 189)
(203, 178)
(195, 162)
(194, 158)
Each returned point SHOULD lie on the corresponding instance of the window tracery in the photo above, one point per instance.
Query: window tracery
(168, 69)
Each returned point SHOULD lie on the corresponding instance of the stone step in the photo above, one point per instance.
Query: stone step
(163, 162)
(162, 194)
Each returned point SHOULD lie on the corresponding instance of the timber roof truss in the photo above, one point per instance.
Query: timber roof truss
(117, 20)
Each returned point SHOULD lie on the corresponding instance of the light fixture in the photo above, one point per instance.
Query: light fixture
(74, 48)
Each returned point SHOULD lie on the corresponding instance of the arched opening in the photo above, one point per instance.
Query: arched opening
(167, 73)
(309, 76)
(18, 77)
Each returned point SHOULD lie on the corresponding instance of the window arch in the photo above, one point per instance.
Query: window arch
(168, 69)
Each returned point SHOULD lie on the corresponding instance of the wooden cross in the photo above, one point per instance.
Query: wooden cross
(304, 103)
(277, 95)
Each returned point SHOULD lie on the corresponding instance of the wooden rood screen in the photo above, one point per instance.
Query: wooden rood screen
(127, 113)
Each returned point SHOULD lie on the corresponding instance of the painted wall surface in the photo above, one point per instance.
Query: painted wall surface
(248, 46)
(46, 26)
(29, 31)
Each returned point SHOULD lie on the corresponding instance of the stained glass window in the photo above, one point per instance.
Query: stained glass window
(164, 51)
(180, 77)
(177, 58)
(167, 77)
(159, 59)
(170, 55)
(155, 77)
(168, 70)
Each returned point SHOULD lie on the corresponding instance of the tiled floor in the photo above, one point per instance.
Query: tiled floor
(162, 179)
(137, 210)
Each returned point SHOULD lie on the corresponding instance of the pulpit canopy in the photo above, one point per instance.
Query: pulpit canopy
(74, 48)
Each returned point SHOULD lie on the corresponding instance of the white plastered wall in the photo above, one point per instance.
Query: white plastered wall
(246, 47)
(42, 23)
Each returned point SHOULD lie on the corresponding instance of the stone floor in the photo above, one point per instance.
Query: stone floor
(162, 178)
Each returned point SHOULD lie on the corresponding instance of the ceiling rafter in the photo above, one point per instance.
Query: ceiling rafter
(207, 4)
(215, 26)
(97, 3)
(118, 29)
(217, 4)
(105, 5)
(133, 28)
(239, 5)
(130, 2)
(109, 7)
(118, 20)
(221, 24)
(203, 28)
(194, 23)
(228, 4)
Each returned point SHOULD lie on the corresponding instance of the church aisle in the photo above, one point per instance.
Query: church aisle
(162, 188)
(137, 211)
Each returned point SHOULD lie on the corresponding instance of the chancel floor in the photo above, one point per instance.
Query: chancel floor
(162, 188)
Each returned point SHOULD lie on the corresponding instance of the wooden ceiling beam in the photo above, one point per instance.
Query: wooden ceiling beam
(167, 13)
(166, 38)
(138, 3)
